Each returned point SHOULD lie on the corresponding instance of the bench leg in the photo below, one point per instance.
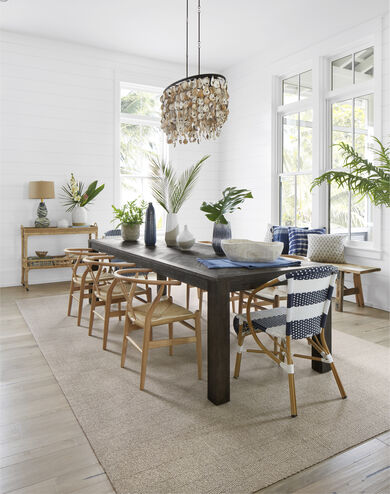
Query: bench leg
(359, 293)
(340, 291)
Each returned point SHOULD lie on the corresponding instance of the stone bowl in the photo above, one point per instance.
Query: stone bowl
(41, 253)
(242, 250)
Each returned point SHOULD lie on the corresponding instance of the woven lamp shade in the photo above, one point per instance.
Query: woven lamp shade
(41, 190)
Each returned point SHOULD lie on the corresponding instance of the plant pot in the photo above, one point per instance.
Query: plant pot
(171, 230)
(220, 232)
(130, 233)
(79, 216)
(185, 239)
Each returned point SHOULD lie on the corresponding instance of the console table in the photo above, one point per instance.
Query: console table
(49, 262)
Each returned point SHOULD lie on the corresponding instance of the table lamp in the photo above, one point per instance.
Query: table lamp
(41, 190)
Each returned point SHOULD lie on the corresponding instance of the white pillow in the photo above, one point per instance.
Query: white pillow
(326, 248)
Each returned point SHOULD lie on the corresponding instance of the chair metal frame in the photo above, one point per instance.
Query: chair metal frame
(281, 353)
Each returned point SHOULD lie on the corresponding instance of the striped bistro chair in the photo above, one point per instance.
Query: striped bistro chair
(309, 294)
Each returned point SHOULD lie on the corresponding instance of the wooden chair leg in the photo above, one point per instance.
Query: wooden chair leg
(198, 333)
(291, 380)
(107, 309)
(81, 301)
(71, 290)
(240, 342)
(276, 302)
(124, 342)
(120, 308)
(233, 303)
(170, 329)
(149, 295)
(340, 291)
(240, 302)
(188, 296)
(358, 285)
(92, 314)
(338, 381)
(145, 352)
(200, 298)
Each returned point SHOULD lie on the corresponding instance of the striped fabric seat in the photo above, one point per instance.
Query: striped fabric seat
(309, 293)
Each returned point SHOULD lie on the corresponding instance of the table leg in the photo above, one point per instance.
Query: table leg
(321, 367)
(340, 291)
(218, 343)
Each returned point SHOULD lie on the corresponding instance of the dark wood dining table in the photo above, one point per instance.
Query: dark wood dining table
(183, 266)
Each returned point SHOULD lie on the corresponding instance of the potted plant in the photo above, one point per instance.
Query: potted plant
(76, 197)
(361, 176)
(129, 218)
(231, 200)
(171, 191)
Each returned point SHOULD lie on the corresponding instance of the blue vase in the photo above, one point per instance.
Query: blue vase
(220, 232)
(150, 226)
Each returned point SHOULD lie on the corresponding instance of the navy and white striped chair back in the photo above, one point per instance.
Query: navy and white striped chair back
(309, 294)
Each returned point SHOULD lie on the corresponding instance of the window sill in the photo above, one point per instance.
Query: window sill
(363, 251)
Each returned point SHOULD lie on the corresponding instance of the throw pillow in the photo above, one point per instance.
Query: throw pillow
(280, 234)
(297, 238)
(326, 248)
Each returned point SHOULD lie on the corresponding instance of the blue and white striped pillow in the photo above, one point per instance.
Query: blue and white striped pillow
(297, 239)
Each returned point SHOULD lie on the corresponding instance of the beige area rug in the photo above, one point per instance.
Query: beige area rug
(170, 439)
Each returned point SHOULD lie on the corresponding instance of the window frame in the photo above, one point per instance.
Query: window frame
(133, 119)
(319, 60)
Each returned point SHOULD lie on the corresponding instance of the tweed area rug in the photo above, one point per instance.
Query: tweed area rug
(171, 439)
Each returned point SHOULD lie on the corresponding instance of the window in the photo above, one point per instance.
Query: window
(311, 119)
(352, 122)
(296, 154)
(140, 136)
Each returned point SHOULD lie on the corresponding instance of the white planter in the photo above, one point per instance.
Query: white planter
(185, 240)
(130, 233)
(79, 216)
(172, 229)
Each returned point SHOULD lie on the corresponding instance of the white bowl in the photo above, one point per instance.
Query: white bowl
(250, 251)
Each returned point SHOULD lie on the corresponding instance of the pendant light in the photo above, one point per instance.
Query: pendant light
(195, 107)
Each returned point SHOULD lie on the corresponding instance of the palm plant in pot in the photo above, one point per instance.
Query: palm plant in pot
(171, 191)
(231, 200)
(130, 217)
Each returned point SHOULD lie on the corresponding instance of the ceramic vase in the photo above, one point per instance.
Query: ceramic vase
(171, 230)
(150, 226)
(130, 233)
(79, 216)
(220, 232)
(185, 240)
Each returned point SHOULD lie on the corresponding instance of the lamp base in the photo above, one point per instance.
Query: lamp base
(41, 221)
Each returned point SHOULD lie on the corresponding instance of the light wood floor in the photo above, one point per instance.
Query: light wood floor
(44, 451)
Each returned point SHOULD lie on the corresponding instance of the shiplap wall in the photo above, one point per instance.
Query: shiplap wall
(246, 144)
(58, 116)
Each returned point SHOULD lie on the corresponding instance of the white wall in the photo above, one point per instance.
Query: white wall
(58, 116)
(246, 145)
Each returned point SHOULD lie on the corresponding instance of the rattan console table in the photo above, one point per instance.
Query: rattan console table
(49, 262)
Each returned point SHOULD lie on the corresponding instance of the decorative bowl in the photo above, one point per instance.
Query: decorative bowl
(243, 250)
(41, 253)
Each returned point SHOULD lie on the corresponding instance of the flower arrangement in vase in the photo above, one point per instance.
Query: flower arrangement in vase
(130, 217)
(231, 200)
(76, 196)
(171, 191)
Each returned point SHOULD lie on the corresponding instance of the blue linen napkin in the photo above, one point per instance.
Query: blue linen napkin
(227, 263)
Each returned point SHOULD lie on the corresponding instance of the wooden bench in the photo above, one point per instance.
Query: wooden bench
(357, 290)
(341, 290)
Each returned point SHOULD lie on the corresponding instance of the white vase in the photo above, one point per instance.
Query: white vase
(185, 240)
(171, 230)
(79, 216)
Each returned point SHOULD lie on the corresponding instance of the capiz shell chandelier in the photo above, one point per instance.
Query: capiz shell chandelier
(195, 107)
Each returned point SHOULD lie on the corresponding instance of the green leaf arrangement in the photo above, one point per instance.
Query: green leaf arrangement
(362, 177)
(231, 200)
(74, 193)
(169, 190)
(132, 213)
